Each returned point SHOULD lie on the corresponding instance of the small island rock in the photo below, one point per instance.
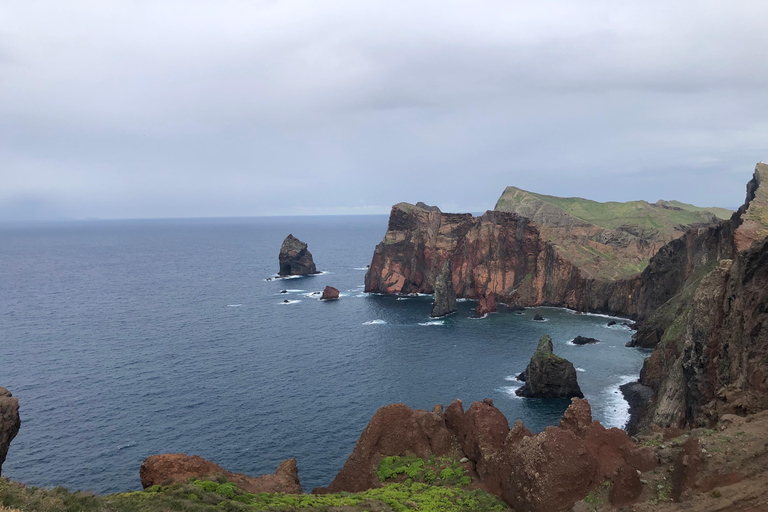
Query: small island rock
(548, 375)
(330, 293)
(538, 318)
(295, 259)
(583, 340)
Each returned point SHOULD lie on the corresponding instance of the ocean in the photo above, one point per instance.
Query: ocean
(124, 339)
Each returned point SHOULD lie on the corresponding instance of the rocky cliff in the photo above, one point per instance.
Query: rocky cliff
(703, 299)
(499, 257)
(295, 259)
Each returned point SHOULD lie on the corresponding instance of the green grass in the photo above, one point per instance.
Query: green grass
(208, 496)
(440, 471)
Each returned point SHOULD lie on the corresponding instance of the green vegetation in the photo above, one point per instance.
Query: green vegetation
(663, 493)
(208, 496)
(440, 471)
(599, 495)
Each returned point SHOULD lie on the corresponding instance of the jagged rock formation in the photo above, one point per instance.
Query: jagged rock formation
(330, 293)
(445, 295)
(706, 295)
(177, 467)
(544, 472)
(9, 422)
(548, 375)
(582, 340)
(295, 259)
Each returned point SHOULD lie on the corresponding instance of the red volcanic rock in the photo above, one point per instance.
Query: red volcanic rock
(395, 429)
(486, 305)
(177, 467)
(330, 293)
(9, 422)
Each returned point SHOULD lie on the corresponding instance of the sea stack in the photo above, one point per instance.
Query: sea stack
(295, 259)
(548, 375)
(9, 422)
(330, 293)
(445, 295)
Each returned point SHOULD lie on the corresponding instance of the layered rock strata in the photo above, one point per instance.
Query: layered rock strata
(295, 259)
(548, 375)
(178, 467)
(10, 422)
(544, 472)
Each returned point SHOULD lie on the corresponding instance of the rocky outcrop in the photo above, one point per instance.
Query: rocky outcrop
(395, 429)
(330, 293)
(549, 471)
(582, 340)
(295, 259)
(498, 257)
(177, 467)
(548, 375)
(709, 322)
(10, 422)
(445, 295)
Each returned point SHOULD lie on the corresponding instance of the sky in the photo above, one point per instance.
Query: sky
(191, 108)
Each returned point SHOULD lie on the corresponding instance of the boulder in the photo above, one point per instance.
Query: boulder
(548, 375)
(445, 295)
(178, 467)
(9, 422)
(582, 340)
(295, 259)
(330, 293)
(538, 318)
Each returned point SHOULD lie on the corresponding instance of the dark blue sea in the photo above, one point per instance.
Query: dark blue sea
(124, 339)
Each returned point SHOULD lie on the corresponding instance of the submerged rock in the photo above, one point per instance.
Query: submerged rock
(178, 467)
(295, 259)
(330, 293)
(445, 295)
(582, 340)
(548, 375)
(9, 422)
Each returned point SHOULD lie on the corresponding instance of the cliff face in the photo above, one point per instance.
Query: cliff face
(704, 297)
(499, 255)
(9, 422)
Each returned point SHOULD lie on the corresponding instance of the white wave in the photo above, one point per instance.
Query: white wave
(462, 300)
(361, 295)
(598, 315)
(124, 446)
(618, 327)
(616, 407)
(512, 378)
(570, 342)
(312, 295)
(580, 370)
(478, 317)
(361, 268)
(234, 305)
(509, 391)
(286, 302)
(542, 321)
(433, 322)
(374, 322)
(295, 291)
(403, 298)
(276, 278)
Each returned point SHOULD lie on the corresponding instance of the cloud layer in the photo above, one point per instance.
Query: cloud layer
(197, 108)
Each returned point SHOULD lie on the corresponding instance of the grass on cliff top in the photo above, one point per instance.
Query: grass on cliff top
(208, 496)
(613, 215)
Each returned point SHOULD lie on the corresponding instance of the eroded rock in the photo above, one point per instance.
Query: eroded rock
(548, 375)
(178, 467)
(330, 293)
(295, 259)
(10, 422)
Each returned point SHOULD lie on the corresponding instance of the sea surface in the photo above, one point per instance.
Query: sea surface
(124, 339)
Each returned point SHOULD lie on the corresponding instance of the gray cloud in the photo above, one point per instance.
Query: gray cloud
(198, 108)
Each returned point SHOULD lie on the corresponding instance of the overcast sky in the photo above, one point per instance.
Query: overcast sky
(189, 108)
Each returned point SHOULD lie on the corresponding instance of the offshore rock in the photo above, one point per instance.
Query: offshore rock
(295, 259)
(178, 467)
(9, 422)
(330, 293)
(548, 375)
(487, 304)
(582, 340)
(445, 295)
